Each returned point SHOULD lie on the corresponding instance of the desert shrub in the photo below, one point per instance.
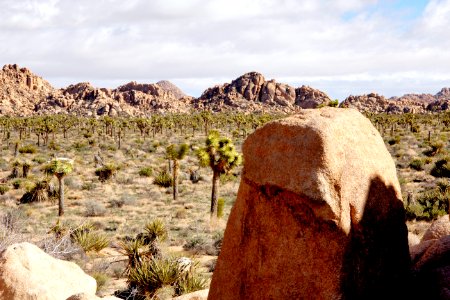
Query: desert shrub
(190, 284)
(153, 274)
(441, 168)
(94, 209)
(106, 172)
(39, 160)
(429, 205)
(435, 148)
(220, 207)
(16, 184)
(29, 149)
(394, 140)
(101, 279)
(38, 193)
(72, 183)
(181, 213)
(3, 189)
(416, 164)
(146, 172)
(52, 145)
(163, 179)
(11, 222)
(88, 239)
(79, 145)
(125, 199)
(88, 186)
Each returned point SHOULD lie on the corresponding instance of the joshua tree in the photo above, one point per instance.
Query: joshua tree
(59, 167)
(25, 169)
(221, 155)
(175, 154)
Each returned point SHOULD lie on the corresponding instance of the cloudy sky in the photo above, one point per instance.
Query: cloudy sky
(342, 47)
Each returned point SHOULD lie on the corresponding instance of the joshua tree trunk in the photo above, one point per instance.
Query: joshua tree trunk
(214, 193)
(175, 180)
(61, 195)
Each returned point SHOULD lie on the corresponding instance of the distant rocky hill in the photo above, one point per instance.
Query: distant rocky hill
(23, 93)
(408, 103)
(252, 92)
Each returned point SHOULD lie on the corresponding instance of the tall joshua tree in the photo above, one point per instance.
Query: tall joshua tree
(59, 167)
(176, 153)
(220, 154)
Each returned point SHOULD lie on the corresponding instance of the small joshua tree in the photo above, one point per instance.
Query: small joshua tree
(220, 154)
(175, 154)
(59, 167)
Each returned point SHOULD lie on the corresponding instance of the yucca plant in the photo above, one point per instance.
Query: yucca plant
(175, 154)
(136, 251)
(221, 156)
(155, 231)
(59, 167)
(153, 274)
(26, 166)
(38, 193)
(88, 239)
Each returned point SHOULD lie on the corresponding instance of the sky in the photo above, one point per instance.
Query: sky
(342, 47)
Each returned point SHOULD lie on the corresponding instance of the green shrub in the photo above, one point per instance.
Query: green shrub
(29, 149)
(163, 179)
(88, 239)
(16, 184)
(106, 172)
(190, 284)
(441, 168)
(52, 145)
(150, 275)
(3, 189)
(146, 172)
(416, 164)
(79, 145)
(94, 209)
(38, 193)
(88, 186)
(429, 205)
(39, 160)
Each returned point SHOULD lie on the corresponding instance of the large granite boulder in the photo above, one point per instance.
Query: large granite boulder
(318, 214)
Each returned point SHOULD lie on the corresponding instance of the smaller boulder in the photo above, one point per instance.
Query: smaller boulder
(27, 272)
(438, 229)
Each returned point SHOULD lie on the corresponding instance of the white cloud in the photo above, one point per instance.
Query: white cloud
(339, 46)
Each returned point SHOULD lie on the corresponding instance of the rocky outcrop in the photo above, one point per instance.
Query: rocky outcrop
(198, 295)
(432, 269)
(438, 229)
(20, 90)
(252, 92)
(23, 93)
(315, 217)
(28, 273)
(408, 103)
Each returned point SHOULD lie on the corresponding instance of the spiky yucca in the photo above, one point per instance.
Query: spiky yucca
(221, 156)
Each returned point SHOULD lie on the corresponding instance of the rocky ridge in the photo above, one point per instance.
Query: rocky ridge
(408, 103)
(23, 93)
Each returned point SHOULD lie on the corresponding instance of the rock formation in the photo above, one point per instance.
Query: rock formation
(252, 92)
(172, 88)
(20, 90)
(27, 272)
(318, 214)
(23, 93)
(431, 267)
(408, 103)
